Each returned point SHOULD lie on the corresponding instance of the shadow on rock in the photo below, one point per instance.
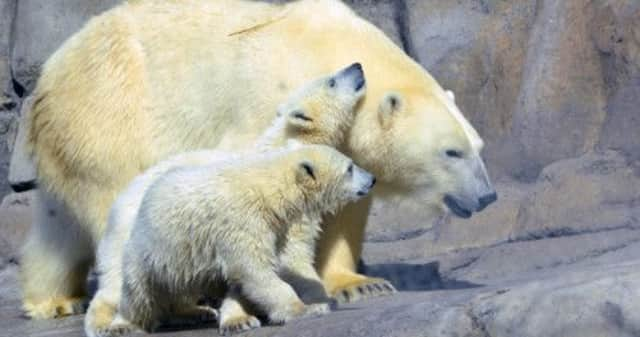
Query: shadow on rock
(414, 277)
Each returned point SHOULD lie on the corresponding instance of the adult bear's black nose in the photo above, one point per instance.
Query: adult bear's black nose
(487, 200)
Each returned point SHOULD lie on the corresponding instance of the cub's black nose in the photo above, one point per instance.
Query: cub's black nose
(354, 67)
(353, 70)
(373, 182)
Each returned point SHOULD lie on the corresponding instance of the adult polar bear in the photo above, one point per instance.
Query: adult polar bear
(149, 79)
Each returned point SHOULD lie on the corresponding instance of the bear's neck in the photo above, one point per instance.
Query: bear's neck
(279, 133)
(275, 195)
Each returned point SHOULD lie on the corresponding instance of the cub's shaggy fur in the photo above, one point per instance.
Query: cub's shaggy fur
(228, 221)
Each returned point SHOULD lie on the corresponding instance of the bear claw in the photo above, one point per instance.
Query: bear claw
(239, 325)
(371, 287)
(115, 330)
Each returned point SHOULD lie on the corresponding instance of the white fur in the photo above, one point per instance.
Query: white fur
(124, 211)
(155, 78)
(451, 95)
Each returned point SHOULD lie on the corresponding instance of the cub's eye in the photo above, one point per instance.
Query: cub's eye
(350, 170)
(454, 154)
(309, 169)
(332, 83)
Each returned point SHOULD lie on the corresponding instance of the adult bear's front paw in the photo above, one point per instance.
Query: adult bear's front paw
(360, 287)
(55, 307)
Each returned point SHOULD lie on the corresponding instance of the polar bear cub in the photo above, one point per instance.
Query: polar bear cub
(320, 112)
(226, 221)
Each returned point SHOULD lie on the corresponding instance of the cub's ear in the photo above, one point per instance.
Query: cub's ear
(306, 172)
(390, 105)
(299, 118)
(451, 95)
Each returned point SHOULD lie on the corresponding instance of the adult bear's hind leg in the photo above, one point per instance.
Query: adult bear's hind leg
(55, 261)
(338, 254)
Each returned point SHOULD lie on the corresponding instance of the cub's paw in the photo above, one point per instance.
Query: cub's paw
(299, 311)
(315, 310)
(238, 324)
(55, 307)
(363, 289)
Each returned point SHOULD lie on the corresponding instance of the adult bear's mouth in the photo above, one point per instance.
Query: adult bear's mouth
(456, 208)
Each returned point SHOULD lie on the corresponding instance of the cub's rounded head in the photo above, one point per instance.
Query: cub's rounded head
(323, 110)
(330, 177)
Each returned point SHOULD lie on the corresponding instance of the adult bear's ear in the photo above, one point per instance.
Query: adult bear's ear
(306, 172)
(390, 105)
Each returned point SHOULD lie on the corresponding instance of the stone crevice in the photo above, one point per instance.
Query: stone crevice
(595, 254)
(18, 89)
(566, 232)
(402, 21)
(399, 236)
(477, 324)
(465, 264)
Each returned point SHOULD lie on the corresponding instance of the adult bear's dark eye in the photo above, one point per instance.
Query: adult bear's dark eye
(332, 83)
(350, 169)
(454, 153)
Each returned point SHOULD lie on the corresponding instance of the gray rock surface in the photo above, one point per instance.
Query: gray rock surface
(15, 220)
(7, 10)
(9, 101)
(586, 298)
(8, 131)
(554, 88)
(40, 28)
(592, 193)
(22, 172)
(561, 103)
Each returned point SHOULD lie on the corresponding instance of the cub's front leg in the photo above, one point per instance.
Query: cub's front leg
(234, 316)
(297, 261)
(254, 273)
